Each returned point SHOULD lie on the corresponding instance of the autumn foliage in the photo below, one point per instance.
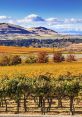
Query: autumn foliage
(58, 57)
(42, 57)
(70, 58)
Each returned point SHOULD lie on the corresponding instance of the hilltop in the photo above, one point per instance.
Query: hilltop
(6, 28)
(42, 31)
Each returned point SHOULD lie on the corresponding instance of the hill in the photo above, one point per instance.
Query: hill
(14, 35)
(42, 31)
(14, 32)
(6, 28)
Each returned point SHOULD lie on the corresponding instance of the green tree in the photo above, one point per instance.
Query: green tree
(72, 89)
(58, 89)
(4, 92)
(42, 90)
(26, 87)
(15, 90)
(31, 59)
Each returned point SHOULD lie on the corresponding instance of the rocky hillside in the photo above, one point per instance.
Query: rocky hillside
(14, 32)
(42, 31)
(6, 28)
(15, 35)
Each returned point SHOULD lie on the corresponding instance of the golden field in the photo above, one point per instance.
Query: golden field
(25, 50)
(31, 70)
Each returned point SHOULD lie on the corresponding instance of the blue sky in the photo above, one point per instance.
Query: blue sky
(59, 15)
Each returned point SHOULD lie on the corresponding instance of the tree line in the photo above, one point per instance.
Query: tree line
(42, 88)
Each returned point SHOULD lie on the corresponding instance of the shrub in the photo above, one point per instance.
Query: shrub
(42, 57)
(14, 60)
(70, 58)
(58, 57)
(31, 59)
(4, 60)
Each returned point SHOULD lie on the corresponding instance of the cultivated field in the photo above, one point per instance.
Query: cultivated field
(37, 69)
(33, 70)
(25, 50)
(15, 97)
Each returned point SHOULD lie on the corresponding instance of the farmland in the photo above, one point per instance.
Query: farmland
(31, 73)
(36, 88)
(36, 69)
(24, 50)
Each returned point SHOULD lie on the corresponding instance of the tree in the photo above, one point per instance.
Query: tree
(4, 92)
(70, 58)
(15, 90)
(14, 60)
(31, 59)
(42, 90)
(26, 87)
(72, 89)
(42, 57)
(4, 60)
(58, 89)
(58, 57)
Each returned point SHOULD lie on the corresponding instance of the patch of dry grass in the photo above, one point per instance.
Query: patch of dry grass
(36, 69)
(25, 50)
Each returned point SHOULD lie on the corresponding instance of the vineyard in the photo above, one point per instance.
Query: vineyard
(41, 88)
(38, 84)
(43, 94)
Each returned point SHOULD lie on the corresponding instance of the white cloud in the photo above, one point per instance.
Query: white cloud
(4, 17)
(73, 20)
(31, 18)
(52, 19)
(34, 20)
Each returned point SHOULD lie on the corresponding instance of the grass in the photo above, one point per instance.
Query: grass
(24, 50)
(28, 50)
(36, 69)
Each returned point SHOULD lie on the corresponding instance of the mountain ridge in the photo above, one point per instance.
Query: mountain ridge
(15, 32)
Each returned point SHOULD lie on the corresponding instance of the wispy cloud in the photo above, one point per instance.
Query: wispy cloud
(73, 20)
(4, 17)
(7, 19)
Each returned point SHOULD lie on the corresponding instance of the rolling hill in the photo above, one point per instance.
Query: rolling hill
(6, 28)
(42, 31)
(15, 35)
(15, 32)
